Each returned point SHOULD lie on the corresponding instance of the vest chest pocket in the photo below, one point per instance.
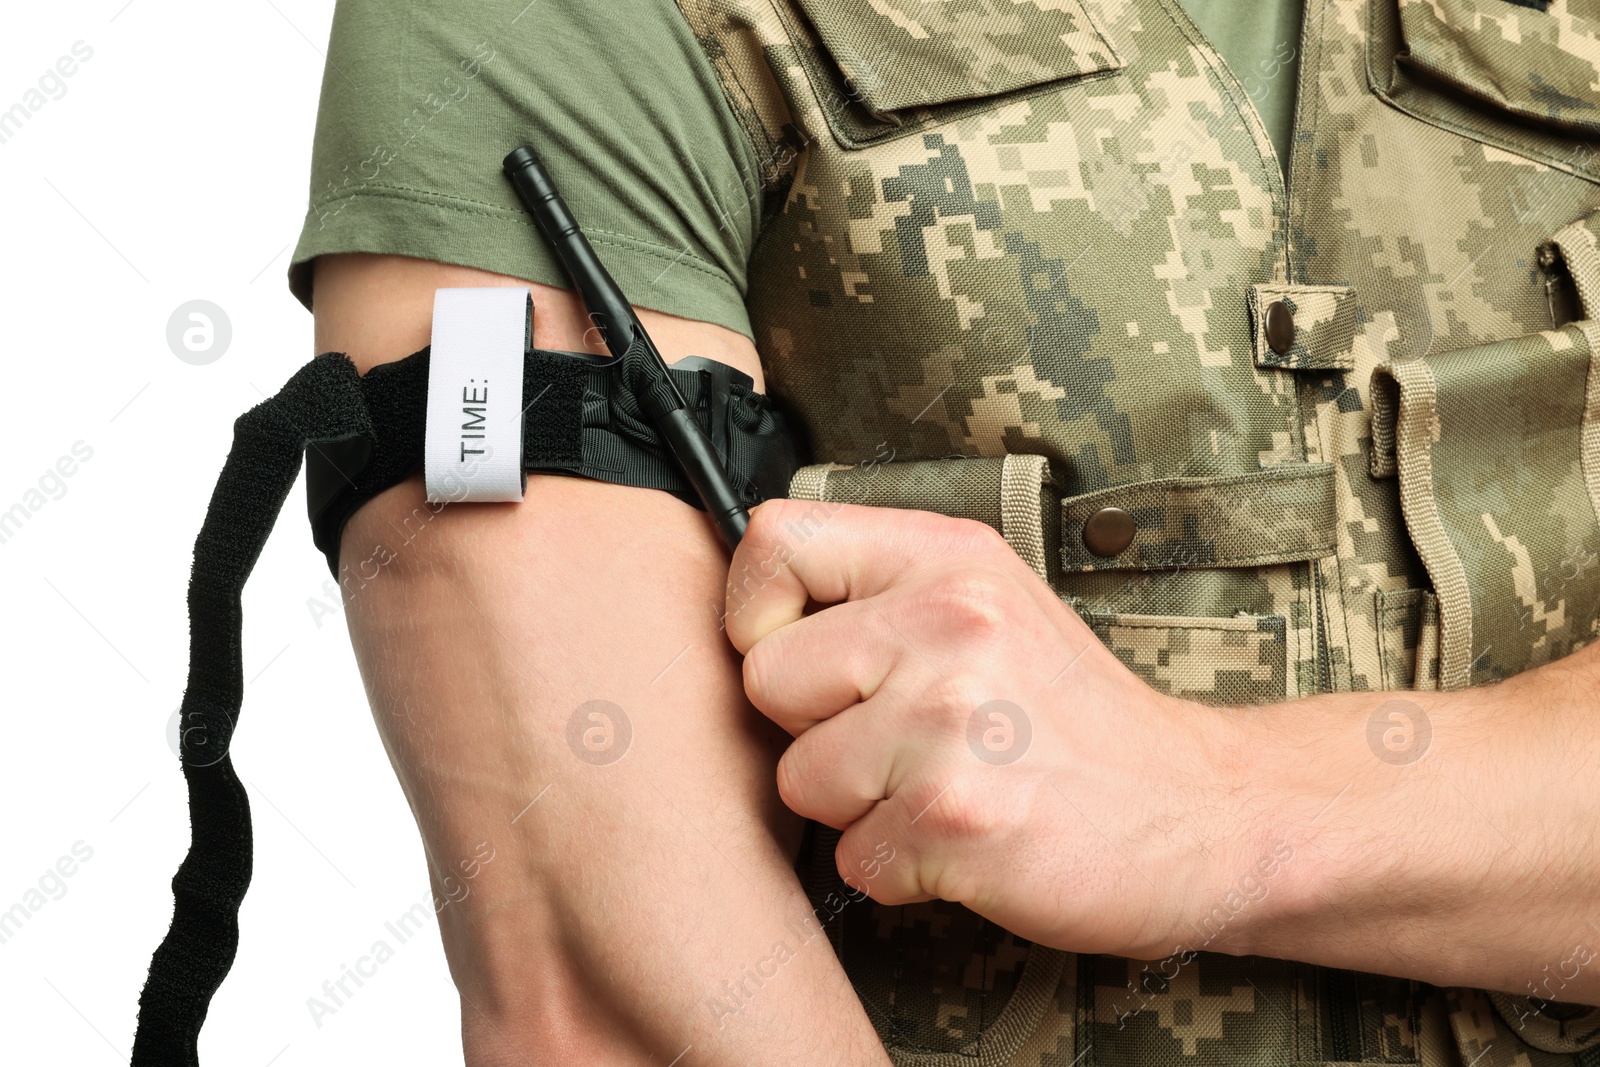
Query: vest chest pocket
(1247, 531)
(1538, 61)
(1497, 461)
(1523, 76)
(1238, 659)
(1497, 452)
(886, 68)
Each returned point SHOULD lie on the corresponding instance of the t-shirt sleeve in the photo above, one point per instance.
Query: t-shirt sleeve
(421, 101)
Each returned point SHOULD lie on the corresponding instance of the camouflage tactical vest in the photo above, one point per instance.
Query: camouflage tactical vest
(1029, 260)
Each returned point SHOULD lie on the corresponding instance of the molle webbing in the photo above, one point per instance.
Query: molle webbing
(363, 435)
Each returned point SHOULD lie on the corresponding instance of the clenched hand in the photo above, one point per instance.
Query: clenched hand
(950, 711)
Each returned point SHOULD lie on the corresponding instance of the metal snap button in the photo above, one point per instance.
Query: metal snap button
(1108, 531)
(1279, 327)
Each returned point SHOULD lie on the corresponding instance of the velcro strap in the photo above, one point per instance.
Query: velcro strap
(579, 417)
(1276, 515)
(1325, 324)
(322, 401)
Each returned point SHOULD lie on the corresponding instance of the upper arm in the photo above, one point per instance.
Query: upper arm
(378, 308)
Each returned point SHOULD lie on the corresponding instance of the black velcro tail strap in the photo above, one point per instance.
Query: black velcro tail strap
(323, 401)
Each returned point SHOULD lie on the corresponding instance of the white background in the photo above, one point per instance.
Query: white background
(175, 167)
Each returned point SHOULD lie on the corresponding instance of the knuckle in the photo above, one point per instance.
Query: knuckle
(958, 815)
(973, 605)
(970, 535)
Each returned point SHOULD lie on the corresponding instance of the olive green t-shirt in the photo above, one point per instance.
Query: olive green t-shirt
(422, 100)
(1260, 43)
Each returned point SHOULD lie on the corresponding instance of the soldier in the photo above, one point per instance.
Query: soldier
(1184, 622)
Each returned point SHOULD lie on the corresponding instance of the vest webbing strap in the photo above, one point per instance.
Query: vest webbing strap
(587, 422)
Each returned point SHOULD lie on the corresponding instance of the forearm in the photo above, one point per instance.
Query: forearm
(1459, 848)
(1016, 765)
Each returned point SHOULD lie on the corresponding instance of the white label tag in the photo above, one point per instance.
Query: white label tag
(473, 447)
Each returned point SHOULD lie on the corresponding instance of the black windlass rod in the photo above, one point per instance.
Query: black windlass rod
(622, 329)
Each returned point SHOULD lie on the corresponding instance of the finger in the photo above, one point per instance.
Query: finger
(835, 772)
(877, 855)
(795, 551)
(880, 870)
(930, 820)
(820, 665)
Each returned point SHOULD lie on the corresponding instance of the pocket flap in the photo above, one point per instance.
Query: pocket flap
(901, 54)
(1537, 60)
(1276, 515)
(1014, 494)
(1579, 244)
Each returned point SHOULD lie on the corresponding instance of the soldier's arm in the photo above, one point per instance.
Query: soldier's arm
(1445, 836)
(976, 742)
(633, 909)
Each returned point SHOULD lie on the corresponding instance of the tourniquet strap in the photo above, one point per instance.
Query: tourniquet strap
(362, 434)
(322, 400)
(581, 416)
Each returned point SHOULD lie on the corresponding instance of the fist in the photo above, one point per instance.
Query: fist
(968, 733)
